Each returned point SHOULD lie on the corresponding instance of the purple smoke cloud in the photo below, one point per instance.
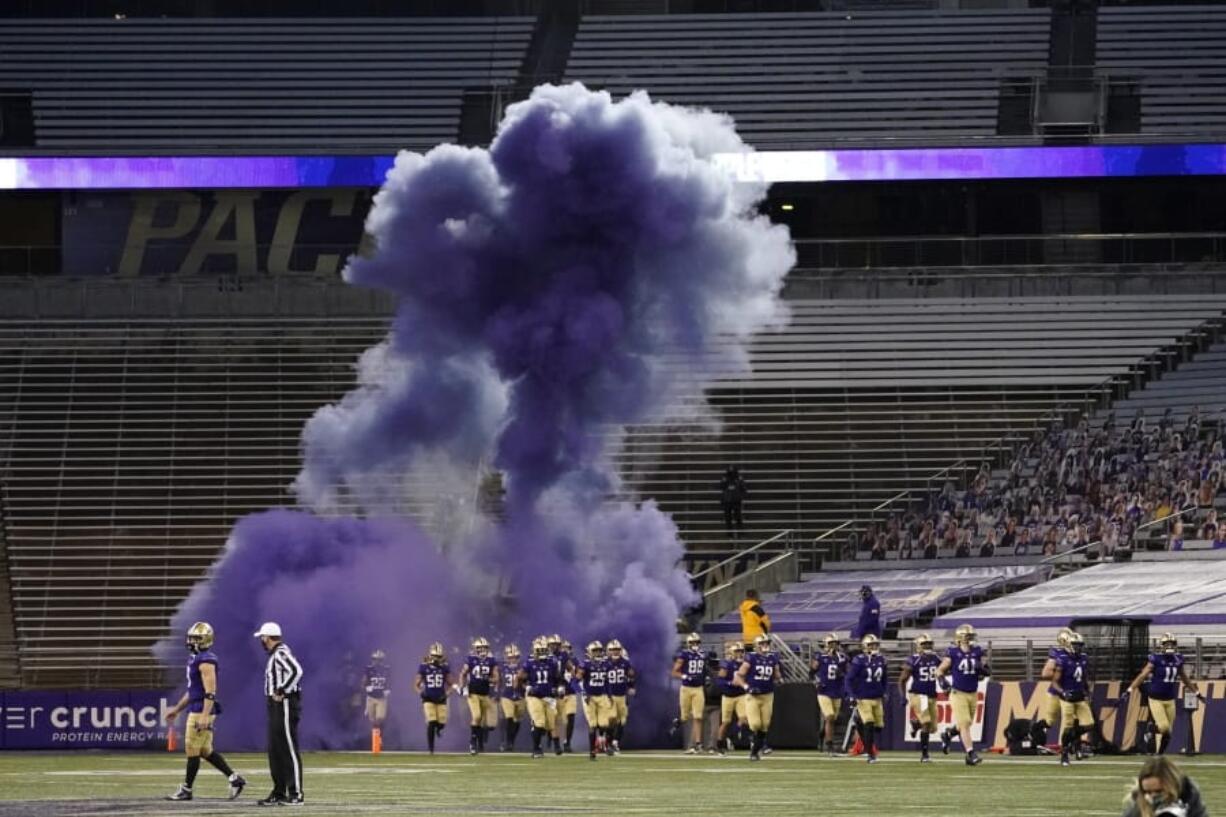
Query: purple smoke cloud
(587, 272)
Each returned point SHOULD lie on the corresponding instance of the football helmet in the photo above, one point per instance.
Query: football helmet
(732, 648)
(613, 648)
(830, 643)
(595, 650)
(965, 635)
(511, 652)
(377, 656)
(481, 647)
(199, 637)
(1168, 643)
(923, 643)
(554, 642)
(693, 641)
(762, 643)
(1076, 643)
(567, 647)
(1062, 638)
(871, 644)
(436, 653)
(540, 647)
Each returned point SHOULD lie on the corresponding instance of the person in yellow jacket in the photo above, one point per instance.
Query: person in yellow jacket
(754, 620)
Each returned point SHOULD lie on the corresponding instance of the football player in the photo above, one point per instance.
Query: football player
(480, 675)
(965, 663)
(512, 699)
(732, 697)
(561, 651)
(542, 682)
(828, 670)
(433, 678)
(374, 682)
(690, 667)
(867, 679)
(758, 674)
(200, 701)
(621, 687)
(1164, 668)
(1071, 683)
(921, 670)
(1051, 703)
(593, 675)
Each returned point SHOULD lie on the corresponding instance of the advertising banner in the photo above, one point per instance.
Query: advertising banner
(110, 719)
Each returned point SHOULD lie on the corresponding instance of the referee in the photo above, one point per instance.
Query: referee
(283, 689)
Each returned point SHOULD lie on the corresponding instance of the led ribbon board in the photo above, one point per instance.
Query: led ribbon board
(868, 165)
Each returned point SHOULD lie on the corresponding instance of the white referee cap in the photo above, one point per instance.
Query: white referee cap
(271, 629)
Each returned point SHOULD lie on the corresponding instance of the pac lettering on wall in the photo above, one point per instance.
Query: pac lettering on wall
(183, 233)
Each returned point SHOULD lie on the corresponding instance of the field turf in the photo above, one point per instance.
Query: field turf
(635, 783)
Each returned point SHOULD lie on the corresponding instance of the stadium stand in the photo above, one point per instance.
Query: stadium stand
(830, 601)
(1175, 55)
(805, 78)
(859, 401)
(176, 84)
(1196, 387)
(129, 449)
(1175, 594)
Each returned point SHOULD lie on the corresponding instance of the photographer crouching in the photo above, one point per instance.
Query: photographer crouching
(1162, 790)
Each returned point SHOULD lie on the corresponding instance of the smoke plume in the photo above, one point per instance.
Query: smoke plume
(587, 271)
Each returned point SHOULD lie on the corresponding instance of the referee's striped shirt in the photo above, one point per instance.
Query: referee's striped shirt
(283, 673)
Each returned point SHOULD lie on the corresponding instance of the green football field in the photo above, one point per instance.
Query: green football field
(648, 783)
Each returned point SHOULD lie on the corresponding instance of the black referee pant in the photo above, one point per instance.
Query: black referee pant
(284, 759)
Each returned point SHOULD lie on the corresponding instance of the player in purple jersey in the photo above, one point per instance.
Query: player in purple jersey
(964, 662)
(757, 675)
(690, 667)
(1071, 681)
(621, 688)
(200, 701)
(921, 699)
(1164, 669)
(512, 697)
(479, 676)
(592, 675)
(867, 679)
(542, 682)
(732, 697)
(1050, 710)
(564, 725)
(828, 670)
(375, 685)
(431, 682)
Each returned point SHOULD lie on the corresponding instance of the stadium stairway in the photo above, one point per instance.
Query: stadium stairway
(10, 658)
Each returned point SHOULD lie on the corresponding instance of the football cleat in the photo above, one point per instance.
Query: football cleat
(184, 793)
(1064, 759)
(537, 754)
(296, 800)
(946, 740)
(753, 756)
(872, 758)
(924, 758)
(973, 758)
(691, 751)
(199, 637)
(273, 799)
(766, 750)
(557, 749)
(236, 786)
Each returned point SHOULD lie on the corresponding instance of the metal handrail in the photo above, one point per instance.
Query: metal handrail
(740, 554)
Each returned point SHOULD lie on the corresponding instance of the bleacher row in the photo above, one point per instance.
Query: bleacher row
(788, 79)
(128, 448)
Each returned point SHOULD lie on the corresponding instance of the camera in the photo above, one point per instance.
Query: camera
(1172, 810)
